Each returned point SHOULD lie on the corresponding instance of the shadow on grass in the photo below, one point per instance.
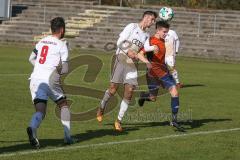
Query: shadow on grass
(91, 134)
(200, 122)
(88, 135)
(187, 125)
(192, 85)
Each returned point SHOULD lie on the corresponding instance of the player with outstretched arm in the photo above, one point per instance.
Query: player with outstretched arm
(130, 42)
(159, 74)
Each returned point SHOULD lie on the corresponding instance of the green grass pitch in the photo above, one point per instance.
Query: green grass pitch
(209, 105)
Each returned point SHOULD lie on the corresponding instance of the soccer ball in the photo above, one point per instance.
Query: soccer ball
(166, 14)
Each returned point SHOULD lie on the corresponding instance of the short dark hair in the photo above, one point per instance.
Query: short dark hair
(151, 13)
(162, 24)
(56, 24)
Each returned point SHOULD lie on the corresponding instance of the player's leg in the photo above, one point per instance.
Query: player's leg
(37, 117)
(151, 95)
(170, 84)
(170, 61)
(130, 82)
(65, 118)
(128, 92)
(174, 102)
(57, 95)
(117, 78)
(107, 95)
(174, 73)
(39, 95)
(175, 107)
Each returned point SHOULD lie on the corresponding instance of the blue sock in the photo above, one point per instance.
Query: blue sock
(175, 104)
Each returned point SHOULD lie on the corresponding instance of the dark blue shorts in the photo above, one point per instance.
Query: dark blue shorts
(168, 81)
(154, 83)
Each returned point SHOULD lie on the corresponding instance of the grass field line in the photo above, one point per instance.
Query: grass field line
(116, 142)
(13, 74)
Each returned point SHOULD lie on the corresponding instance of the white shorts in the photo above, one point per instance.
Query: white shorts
(42, 89)
(124, 73)
(170, 61)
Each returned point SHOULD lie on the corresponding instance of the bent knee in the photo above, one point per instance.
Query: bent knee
(153, 98)
(112, 90)
(40, 106)
(128, 96)
(128, 93)
(62, 102)
(174, 92)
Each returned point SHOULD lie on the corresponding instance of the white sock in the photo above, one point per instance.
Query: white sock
(175, 76)
(123, 109)
(65, 119)
(35, 122)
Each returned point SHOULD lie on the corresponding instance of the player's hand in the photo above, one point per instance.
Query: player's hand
(156, 49)
(136, 59)
(149, 65)
(131, 54)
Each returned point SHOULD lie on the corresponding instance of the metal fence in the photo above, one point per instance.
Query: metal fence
(215, 4)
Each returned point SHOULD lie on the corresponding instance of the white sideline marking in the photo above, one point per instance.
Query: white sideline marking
(117, 142)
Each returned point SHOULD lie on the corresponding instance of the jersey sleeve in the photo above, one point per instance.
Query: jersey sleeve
(64, 53)
(170, 46)
(64, 58)
(33, 55)
(32, 58)
(125, 33)
(35, 51)
(174, 34)
(147, 46)
(177, 42)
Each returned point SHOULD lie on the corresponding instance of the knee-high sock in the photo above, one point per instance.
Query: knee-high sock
(105, 99)
(35, 122)
(123, 109)
(175, 107)
(65, 119)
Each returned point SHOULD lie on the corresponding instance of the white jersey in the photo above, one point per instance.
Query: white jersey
(50, 52)
(125, 71)
(132, 37)
(173, 39)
